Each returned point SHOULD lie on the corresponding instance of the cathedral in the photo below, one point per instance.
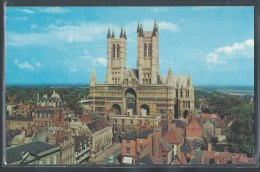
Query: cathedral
(139, 98)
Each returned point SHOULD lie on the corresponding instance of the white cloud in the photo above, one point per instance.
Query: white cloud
(27, 11)
(100, 61)
(214, 58)
(21, 18)
(163, 25)
(33, 26)
(221, 55)
(59, 35)
(55, 10)
(27, 66)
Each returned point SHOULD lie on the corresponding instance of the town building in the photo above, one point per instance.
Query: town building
(47, 118)
(34, 153)
(67, 152)
(141, 94)
(53, 101)
(101, 135)
(82, 149)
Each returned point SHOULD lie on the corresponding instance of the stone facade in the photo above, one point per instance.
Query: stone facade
(139, 94)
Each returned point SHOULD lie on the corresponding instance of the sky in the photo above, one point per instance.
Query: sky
(58, 45)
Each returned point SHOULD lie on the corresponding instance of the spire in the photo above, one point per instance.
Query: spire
(121, 33)
(141, 33)
(190, 80)
(138, 27)
(93, 78)
(113, 34)
(125, 34)
(108, 33)
(169, 75)
(155, 28)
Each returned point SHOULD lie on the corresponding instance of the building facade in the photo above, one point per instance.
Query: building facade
(142, 92)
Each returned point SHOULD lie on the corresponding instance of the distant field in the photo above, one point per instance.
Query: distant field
(232, 90)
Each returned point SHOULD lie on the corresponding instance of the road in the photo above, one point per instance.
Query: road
(102, 157)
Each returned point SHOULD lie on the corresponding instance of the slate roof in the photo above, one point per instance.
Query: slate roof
(19, 118)
(144, 133)
(146, 160)
(129, 136)
(185, 148)
(93, 116)
(16, 153)
(98, 125)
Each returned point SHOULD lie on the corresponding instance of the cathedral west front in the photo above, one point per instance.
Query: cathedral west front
(136, 98)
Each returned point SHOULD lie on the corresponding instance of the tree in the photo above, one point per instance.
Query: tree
(240, 135)
(214, 140)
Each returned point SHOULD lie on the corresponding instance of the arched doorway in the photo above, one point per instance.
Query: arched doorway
(145, 110)
(117, 109)
(130, 95)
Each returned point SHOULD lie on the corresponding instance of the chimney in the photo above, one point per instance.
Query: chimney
(209, 147)
(156, 143)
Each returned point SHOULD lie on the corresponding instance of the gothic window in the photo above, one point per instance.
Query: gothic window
(131, 121)
(123, 121)
(118, 51)
(114, 51)
(181, 93)
(145, 49)
(150, 50)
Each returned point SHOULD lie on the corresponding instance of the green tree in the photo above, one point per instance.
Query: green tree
(240, 135)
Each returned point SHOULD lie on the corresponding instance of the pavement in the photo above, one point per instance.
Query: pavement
(102, 157)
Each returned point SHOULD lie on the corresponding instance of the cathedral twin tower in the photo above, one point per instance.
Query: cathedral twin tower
(147, 56)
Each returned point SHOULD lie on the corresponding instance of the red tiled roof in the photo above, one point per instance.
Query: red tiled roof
(172, 137)
(194, 129)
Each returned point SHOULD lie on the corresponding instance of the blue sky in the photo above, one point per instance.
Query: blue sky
(54, 45)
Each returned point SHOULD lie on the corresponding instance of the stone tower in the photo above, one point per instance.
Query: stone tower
(148, 55)
(116, 57)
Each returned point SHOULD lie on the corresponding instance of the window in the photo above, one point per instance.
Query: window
(115, 129)
(164, 157)
(48, 160)
(128, 150)
(40, 162)
(123, 129)
(140, 147)
(118, 51)
(123, 121)
(128, 141)
(150, 50)
(115, 121)
(55, 159)
(145, 49)
(131, 121)
(114, 51)
(140, 121)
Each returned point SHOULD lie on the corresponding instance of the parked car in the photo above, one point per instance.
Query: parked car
(111, 159)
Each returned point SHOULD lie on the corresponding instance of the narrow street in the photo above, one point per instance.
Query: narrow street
(102, 157)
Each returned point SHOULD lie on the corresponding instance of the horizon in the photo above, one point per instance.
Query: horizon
(59, 45)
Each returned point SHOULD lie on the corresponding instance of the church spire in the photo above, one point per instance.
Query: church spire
(141, 33)
(125, 34)
(138, 27)
(108, 33)
(113, 34)
(155, 28)
(93, 78)
(121, 33)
